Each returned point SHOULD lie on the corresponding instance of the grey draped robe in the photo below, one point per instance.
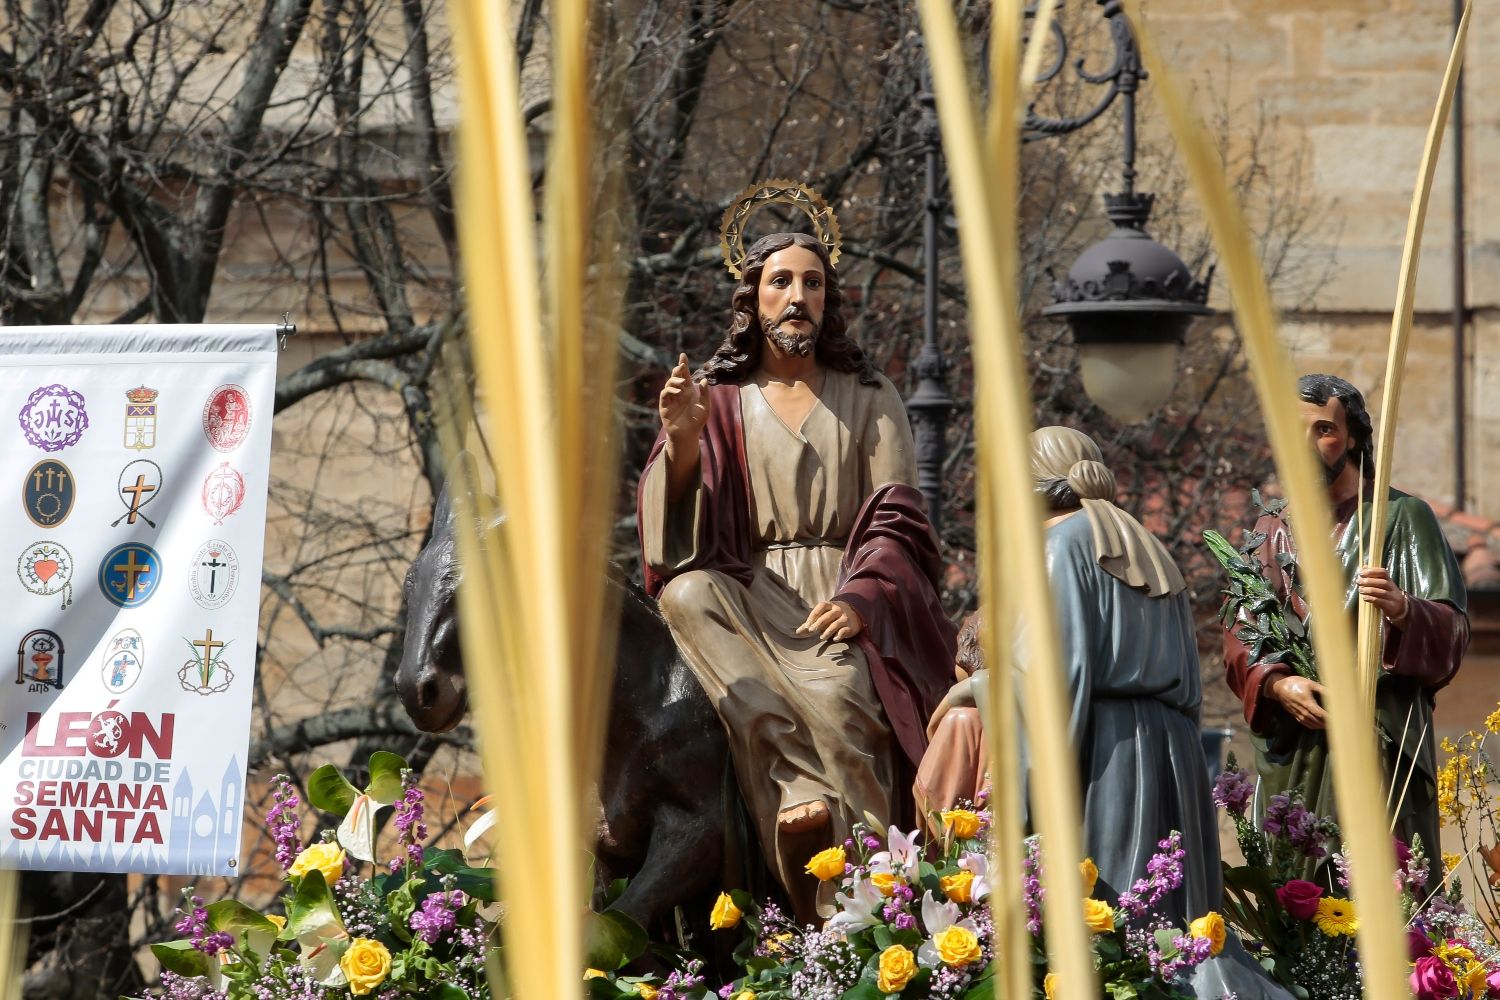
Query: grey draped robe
(1131, 664)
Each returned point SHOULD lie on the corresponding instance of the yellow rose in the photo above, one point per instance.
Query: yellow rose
(827, 864)
(745, 995)
(963, 822)
(646, 990)
(897, 966)
(725, 914)
(278, 920)
(1090, 873)
(1049, 986)
(366, 964)
(592, 974)
(886, 882)
(1101, 918)
(326, 858)
(957, 946)
(959, 886)
(1210, 926)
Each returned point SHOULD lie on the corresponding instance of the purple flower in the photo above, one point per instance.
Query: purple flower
(282, 821)
(183, 988)
(1031, 887)
(194, 924)
(1287, 817)
(1164, 872)
(1233, 791)
(195, 921)
(215, 943)
(410, 830)
(435, 917)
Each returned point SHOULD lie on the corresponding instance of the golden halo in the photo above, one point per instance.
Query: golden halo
(774, 191)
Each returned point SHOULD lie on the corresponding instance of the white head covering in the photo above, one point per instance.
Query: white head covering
(1123, 546)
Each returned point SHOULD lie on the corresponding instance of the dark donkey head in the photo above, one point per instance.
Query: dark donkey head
(430, 678)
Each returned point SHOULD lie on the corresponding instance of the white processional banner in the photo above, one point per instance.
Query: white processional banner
(133, 470)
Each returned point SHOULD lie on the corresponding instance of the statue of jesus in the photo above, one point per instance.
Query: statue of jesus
(794, 562)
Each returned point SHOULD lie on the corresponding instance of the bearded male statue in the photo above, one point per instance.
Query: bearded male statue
(794, 562)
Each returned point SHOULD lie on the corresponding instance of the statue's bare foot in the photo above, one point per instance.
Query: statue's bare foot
(804, 818)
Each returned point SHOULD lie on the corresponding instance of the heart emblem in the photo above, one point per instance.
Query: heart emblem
(45, 569)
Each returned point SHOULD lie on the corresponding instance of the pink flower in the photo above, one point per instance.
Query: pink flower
(1493, 982)
(1431, 979)
(1418, 944)
(1300, 898)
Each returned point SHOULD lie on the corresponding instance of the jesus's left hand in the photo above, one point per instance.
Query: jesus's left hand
(832, 620)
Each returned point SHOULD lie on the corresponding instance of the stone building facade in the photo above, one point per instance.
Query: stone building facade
(1354, 82)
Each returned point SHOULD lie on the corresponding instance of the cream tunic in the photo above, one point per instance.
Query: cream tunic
(803, 718)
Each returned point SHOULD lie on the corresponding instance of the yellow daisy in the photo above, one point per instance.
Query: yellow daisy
(1336, 917)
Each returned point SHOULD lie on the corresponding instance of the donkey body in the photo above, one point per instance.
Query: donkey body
(671, 818)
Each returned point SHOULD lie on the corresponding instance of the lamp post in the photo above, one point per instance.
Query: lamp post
(1128, 299)
(930, 404)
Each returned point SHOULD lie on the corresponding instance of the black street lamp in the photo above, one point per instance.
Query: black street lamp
(1128, 300)
(930, 404)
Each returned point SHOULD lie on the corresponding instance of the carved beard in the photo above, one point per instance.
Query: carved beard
(1332, 472)
(790, 341)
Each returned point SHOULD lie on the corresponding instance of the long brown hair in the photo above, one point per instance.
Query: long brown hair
(739, 355)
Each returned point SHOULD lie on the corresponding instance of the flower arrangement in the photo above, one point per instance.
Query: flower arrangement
(1303, 928)
(411, 928)
(915, 923)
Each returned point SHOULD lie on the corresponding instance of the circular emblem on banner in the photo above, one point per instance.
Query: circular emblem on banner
(223, 492)
(226, 417)
(139, 484)
(129, 575)
(214, 574)
(39, 660)
(123, 661)
(54, 417)
(48, 492)
(46, 569)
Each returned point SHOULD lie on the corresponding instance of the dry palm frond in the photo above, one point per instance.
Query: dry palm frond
(532, 602)
(1395, 362)
(1357, 779)
(984, 177)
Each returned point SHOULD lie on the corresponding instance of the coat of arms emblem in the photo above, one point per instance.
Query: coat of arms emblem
(140, 418)
(54, 417)
(223, 492)
(214, 574)
(123, 661)
(39, 660)
(226, 417)
(46, 569)
(207, 672)
(129, 574)
(48, 492)
(140, 483)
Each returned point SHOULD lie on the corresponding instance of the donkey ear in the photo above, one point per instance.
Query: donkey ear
(463, 473)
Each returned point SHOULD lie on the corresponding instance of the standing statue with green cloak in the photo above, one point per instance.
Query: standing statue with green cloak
(1420, 595)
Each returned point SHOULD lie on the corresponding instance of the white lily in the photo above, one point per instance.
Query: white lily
(859, 908)
(936, 918)
(903, 850)
(979, 865)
